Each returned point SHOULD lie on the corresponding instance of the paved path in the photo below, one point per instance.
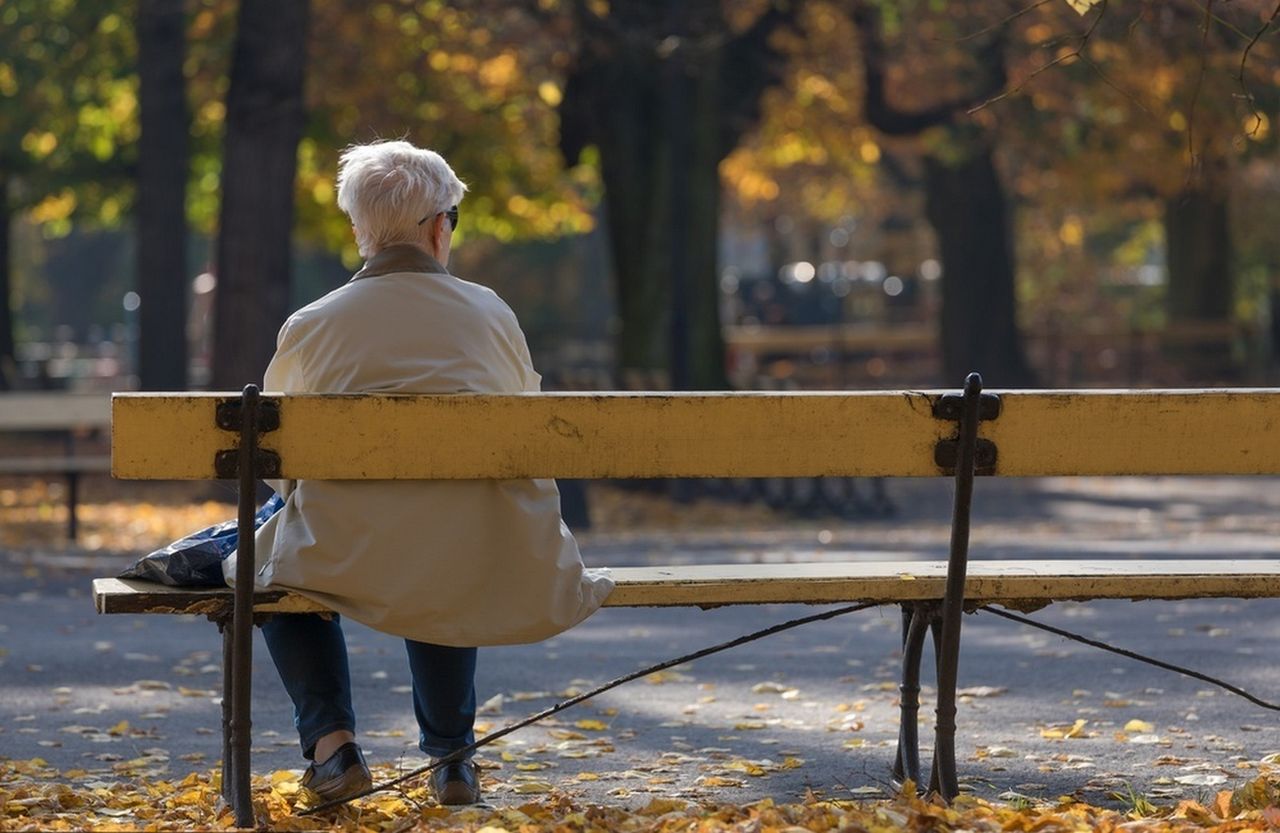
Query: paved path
(810, 709)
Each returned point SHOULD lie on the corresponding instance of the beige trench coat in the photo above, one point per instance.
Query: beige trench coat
(464, 563)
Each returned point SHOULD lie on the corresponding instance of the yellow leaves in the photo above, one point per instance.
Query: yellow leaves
(1076, 730)
(501, 71)
(1136, 725)
(1071, 232)
(8, 81)
(54, 207)
(119, 729)
(746, 767)
(1256, 126)
(550, 93)
(663, 677)
(1082, 7)
(590, 725)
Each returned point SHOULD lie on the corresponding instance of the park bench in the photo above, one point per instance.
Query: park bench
(66, 414)
(892, 433)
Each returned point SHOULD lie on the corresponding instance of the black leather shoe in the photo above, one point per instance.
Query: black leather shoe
(343, 775)
(456, 783)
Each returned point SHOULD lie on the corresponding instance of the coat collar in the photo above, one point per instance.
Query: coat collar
(400, 258)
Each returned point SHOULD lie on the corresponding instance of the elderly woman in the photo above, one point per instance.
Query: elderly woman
(447, 565)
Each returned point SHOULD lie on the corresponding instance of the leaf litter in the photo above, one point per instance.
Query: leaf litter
(34, 796)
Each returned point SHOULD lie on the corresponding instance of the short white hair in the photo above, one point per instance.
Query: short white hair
(387, 187)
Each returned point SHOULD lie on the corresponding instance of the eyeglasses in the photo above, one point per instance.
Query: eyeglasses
(451, 212)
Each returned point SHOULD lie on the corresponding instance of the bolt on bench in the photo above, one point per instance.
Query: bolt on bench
(895, 433)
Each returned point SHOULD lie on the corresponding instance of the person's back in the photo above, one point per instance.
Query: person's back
(446, 564)
(401, 326)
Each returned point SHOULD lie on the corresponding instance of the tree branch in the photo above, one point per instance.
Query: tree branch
(1244, 58)
(889, 119)
(1078, 52)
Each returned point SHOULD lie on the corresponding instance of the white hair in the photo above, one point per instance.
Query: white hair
(387, 187)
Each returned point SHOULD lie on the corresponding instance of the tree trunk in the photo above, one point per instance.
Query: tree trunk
(665, 97)
(1201, 284)
(966, 206)
(660, 163)
(633, 157)
(161, 211)
(264, 124)
(8, 366)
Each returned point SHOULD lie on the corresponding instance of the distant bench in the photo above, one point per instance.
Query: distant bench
(896, 433)
(63, 413)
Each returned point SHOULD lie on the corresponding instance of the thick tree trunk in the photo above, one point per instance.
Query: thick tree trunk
(1201, 283)
(8, 367)
(660, 164)
(632, 159)
(664, 97)
(967, 208)
(264, 124)
(161, 212)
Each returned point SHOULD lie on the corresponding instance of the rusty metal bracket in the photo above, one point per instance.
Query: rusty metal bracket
(950, 406)
(227, 415)
(266, 463)
(946, 452)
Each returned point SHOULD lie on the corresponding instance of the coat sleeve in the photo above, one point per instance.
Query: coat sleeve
(530, 378)
(284, 372)
(284, 375)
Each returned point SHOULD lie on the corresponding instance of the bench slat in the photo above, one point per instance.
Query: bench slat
(55, 465)
(54, 411)
(167, 436)
(160, 436)
(1017, 582)
(1167, 432)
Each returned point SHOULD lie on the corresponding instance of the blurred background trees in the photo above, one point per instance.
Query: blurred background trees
(845, 192)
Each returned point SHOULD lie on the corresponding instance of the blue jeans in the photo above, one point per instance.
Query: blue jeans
(311, 655)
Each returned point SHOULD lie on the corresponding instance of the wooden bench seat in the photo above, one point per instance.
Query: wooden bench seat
(1016, 584)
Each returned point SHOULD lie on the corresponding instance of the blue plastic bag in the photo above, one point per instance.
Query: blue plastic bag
(196, 560)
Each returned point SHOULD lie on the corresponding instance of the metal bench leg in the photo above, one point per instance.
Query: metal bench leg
(242, 618)
(915, 624)
(943, 780)
(73, 499)
(228, 664)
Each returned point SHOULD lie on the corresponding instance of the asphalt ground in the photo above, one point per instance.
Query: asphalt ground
(813, 709)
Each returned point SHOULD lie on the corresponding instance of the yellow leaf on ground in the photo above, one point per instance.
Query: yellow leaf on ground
(592, 725)
(1139, 726)
(1076, 730)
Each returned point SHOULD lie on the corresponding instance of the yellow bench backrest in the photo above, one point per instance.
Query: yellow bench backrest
(626, 435)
